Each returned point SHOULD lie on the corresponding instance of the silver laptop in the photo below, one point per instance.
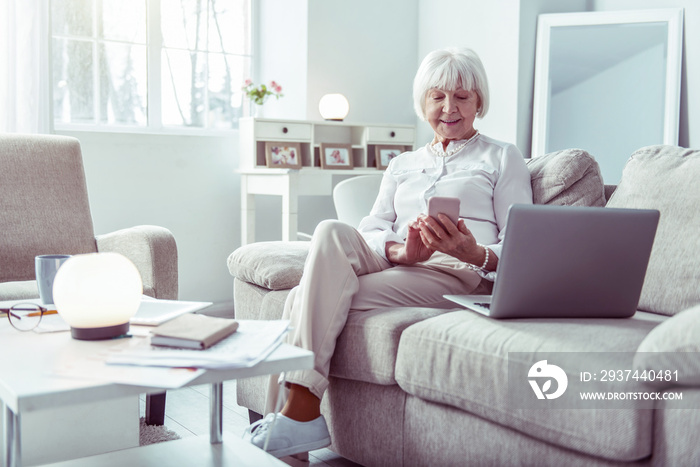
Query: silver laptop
(569, 262)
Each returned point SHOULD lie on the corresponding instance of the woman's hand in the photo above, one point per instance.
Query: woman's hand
(454, 240)
(413, 251)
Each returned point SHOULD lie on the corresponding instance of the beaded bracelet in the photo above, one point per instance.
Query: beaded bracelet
(474, 267)
(486, 260)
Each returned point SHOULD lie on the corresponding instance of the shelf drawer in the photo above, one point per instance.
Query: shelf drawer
(275, 131)
(388, 134)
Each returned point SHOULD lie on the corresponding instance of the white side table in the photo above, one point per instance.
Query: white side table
(289, 184)
(28, 386)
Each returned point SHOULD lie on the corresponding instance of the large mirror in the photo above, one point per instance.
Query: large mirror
(607, 82)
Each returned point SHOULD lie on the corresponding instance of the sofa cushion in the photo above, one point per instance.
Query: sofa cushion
(461, 359)
(673, 345)
(666, 178)
(366, 349)
(273, 265)
(570, 177)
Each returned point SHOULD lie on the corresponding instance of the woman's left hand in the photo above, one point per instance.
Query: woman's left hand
(454, 240)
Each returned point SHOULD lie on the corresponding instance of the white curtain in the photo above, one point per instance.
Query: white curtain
(24, 67)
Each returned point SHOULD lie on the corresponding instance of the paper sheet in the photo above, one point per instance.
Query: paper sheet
(251, 343)
(94, 367)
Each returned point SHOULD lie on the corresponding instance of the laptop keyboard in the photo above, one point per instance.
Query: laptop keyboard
(485, 305)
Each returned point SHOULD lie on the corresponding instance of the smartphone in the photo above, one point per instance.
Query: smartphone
(445, 205)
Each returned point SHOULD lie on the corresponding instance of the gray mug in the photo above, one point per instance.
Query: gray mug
(46, 267)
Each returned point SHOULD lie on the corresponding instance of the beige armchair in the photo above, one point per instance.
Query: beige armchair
(44, 209)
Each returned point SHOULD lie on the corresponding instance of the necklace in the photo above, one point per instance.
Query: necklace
(452, 151)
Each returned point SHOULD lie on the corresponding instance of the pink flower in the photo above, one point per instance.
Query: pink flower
(259, 94)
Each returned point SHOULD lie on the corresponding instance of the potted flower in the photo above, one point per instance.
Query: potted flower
(259, 94)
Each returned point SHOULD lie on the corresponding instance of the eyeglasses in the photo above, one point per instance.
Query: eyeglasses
(25, 316)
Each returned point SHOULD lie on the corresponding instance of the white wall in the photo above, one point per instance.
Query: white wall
(316, 47)
(491, 29)
(364, 49)
(281, 40)
(183, 183)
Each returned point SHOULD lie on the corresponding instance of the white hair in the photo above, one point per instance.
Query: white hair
(450, 69)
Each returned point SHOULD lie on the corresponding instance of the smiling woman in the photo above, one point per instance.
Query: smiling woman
(450, 92)
(451, 114)
(399, 255)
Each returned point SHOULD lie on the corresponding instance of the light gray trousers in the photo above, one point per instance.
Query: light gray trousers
(343, 273)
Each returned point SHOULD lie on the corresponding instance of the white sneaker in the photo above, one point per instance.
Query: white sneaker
(288, 436)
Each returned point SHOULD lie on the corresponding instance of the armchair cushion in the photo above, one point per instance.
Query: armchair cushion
(570, 177)
(273, 265)
(665, 178)
(18, 290)
(154, 252)
(44, 206)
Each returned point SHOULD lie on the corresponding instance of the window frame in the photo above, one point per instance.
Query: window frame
(154, 49)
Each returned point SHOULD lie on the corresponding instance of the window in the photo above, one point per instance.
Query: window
(150, 63)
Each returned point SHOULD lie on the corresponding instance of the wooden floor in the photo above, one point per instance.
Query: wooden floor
(187, 414)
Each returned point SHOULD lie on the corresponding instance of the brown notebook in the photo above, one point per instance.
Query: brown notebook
(191, 331)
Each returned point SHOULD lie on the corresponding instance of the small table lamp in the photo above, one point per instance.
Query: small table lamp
(97, 294)
(334, 107)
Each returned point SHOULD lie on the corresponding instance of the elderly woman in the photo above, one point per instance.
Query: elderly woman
(399, 256)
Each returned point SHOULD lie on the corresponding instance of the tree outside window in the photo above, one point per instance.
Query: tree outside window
(150, 63)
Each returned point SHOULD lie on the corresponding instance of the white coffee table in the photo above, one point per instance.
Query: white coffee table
(26, 385)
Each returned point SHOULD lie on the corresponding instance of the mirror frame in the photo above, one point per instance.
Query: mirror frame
(546, 22)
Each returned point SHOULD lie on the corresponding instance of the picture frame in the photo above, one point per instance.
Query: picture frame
(336, 156)
(282, 155)
(384, 153)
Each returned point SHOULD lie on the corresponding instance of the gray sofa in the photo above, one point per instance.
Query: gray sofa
(420, 386)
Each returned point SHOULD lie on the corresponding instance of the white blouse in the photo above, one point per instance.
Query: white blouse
(487, 175)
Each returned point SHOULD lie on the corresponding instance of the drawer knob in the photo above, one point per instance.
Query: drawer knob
(285, 130)
(392, 134)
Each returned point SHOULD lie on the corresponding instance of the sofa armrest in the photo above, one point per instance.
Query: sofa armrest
(673, 345)
(271, 265)
(154, 252)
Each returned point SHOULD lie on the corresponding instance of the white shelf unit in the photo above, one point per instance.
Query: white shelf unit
(255, 132)
(311, 179)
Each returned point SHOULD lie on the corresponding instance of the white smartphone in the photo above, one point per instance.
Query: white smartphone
(445, 205)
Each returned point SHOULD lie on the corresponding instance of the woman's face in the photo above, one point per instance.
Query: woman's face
(451, 114)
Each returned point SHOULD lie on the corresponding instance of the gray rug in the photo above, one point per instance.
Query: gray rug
(150, 434)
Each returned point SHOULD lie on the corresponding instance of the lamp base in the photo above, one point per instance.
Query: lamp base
(96, 334)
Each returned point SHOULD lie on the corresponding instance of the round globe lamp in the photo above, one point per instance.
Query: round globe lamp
(97, 294)
(334, 107)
